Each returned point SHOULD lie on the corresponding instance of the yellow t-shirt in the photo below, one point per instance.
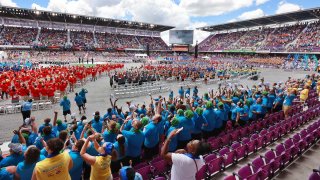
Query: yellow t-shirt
(101, 168)
(56, 168)
(304, 94)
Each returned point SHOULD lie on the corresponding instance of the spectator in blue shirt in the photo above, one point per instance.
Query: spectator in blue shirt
(152, 137)
(66, 105)
(121, 147)
(185, 121)
(96, 122)
(61, 126)
(79, 101)
(31, 157)
(199, 122)
(221, 116)
(278, 102)
(271, 99)
(135, 139)
(83, 93)
(187, 92)
(16, 155)
(174, 141)
(195, 91)
(77, 160)
(210, 117)
(241, 115)
(26, 109)
(181, 92)
(288, 101)
(110, 134)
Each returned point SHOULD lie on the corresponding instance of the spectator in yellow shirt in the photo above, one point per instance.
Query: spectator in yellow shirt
(56, 165)
(304, 93)
(100, 165)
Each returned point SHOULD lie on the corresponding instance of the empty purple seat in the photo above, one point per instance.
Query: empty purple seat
(300, 142)
(244, 132)
(215, 165)
(215, 143)
(140, 165)
(272, 159)
(259, 140)
(247, 173)
(145, 172)
(228, 156)
(202, 173)
(240, 150)
(251, 145)
(315, 175)
(283, 152)
(260, 164)
(235, 135)
(225, 140)
(159, 167)
(268, 136)
(294, 149)
(210, 157)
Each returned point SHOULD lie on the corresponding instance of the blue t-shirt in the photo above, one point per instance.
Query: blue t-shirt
(174, 141)
(288, 100)
(83, 94)
(151, 134)
(187, 125)
(128, 125)
(188, 92)
(135, 142)
(92, 151)
(181, 92)
(13, 159)
(78, 100)
(279, 100)
(5, 175)
(198, 121)
(260, 109)
(109, 136)
(219, 118)
(97, 126)
(61, 127)
(25, 170)
(27, 106)
(271, 99)
(235, 99)
(117, 148)
(42, 126)
(241, 111)
(75, 171)
(233, 113)
(210, 117)
(141, 111)
(65, 103)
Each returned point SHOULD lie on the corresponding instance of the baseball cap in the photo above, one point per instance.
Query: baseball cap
(15, 147)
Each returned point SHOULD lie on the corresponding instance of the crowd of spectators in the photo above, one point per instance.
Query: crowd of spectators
(82, 39)
(52, 37)
(18, 36)
(155, 43)
(282, 36)
(309, 40)
(179, 124)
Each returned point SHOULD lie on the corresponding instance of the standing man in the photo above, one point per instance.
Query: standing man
(79, 101)
(83, 93)
(26, 109)
(66, 105)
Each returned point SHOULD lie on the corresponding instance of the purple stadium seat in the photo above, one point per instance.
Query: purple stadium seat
(145, 172)
(247, 173)
(215, 143)
(240, 150)
(210, 157)
(268, 136)
(283, 152)
(315, 175)
(140, 165)
(228, 156)
(225, 140)
(300, 142)
(160, 178)
(259, 164)
(215, 165)
(231, 177)
(272, 159)
(259, 140)
(244, 131)
(294, 149)
(160, 167)
(251, 145)
(202, 173)
(235, 135)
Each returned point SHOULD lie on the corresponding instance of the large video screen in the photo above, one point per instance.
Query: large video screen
(181, 37)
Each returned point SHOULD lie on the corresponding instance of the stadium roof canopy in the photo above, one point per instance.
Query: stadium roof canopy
(300, 15)
(39, 15)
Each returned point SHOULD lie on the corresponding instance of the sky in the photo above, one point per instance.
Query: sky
(182, 14)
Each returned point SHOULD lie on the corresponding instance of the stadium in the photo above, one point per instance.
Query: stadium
(90, 97)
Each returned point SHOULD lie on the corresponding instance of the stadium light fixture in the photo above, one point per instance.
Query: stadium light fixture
(37, 12)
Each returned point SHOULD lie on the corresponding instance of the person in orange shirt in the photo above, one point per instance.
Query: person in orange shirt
(35, 93)
(4, 88)
(50, 92)
(44, 93)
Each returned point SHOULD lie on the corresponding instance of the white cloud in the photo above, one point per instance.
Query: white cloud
(8, 3)
(260, 2)
(285, 7)
(251, 14)
(213, 7)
